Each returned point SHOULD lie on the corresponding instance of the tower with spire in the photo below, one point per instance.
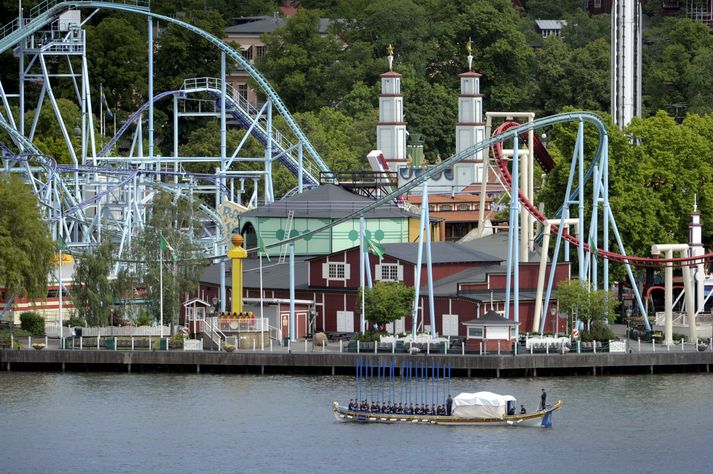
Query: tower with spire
(695, 249)
(470, 128)
(391, 129)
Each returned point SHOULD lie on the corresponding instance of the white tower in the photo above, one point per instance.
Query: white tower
(391, 129)
(626, 61)
(470, 128)
(695, 248)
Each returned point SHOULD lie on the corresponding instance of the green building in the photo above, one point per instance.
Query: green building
(320, 206)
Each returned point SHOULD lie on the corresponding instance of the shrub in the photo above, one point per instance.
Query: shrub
(33, 322)
(74, 322)
(370, 336)
(598, 331)
(144, 320)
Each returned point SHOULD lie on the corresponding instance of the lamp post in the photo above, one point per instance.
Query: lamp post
(628, 322)
(553, 316)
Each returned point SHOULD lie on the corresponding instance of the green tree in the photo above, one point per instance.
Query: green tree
(118, 59)
(676, 53)
(387, 302)
(177, 220)
(93, 293)
(578, 300)
(182, 54)
(26, 247)
(300, 61)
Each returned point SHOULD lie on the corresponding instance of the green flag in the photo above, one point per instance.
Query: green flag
(374, 248)
(63, 246)
(166, 246)
(263, 250)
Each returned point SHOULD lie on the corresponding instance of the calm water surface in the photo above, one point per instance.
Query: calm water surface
(240, 423)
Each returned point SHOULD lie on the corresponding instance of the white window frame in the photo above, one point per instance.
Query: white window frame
(389, 272)
(471, 332)
(335, 269)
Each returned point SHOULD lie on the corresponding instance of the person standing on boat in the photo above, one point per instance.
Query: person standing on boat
(449, 405)
(543, 400)
(522, 410)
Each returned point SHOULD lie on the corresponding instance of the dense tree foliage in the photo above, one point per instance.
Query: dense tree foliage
(26, 247)
(176, 219)
(94, 291)
(387, 302)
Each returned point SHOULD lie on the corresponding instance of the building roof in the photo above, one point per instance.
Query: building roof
(275, 276)
(257, 25)
(491, 318)
(550, 24)
(326, 201)
(495, 244)
(448, 286)
(441, 252)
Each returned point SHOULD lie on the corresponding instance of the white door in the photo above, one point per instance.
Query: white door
(345, 321)
(450, 324)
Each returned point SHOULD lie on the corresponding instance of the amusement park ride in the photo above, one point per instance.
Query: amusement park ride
(103, 194)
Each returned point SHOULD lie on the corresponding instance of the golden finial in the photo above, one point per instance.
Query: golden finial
(390, 50)
(469, 48)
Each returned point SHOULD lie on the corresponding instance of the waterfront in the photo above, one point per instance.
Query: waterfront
(247, 423)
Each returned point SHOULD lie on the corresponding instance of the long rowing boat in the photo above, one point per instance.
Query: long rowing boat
(541, 418)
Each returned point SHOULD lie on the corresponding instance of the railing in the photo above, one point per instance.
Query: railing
(46, 5)
(118, 331)
(210, 328)
(235, 99)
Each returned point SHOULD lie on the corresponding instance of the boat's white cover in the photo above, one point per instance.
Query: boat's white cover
(481, 405)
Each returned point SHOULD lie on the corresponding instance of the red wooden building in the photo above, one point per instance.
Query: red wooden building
(467, 284)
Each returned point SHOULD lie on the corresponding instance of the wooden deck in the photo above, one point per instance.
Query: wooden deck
(343, 363)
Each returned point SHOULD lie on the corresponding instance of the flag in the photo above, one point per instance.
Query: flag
(63, 246)
(105, 104)
(263, 250)
(374, 248)
(166, 246)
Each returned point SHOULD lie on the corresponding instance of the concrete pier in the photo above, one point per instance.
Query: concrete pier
(343, 363)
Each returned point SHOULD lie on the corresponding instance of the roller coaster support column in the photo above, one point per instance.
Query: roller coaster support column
(668, 250)
(223, 158)
(539, 310)
(604, 159)
(580, 156)
(268, 156)
(419, 260)
(429, 267)
(150, 31)
(560, 230)
(513, 261)
(362, 231)
(293, 337)
(629, 273)
(299, 169)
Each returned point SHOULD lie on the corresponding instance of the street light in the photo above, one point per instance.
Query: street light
(628, 321)
(553, 316)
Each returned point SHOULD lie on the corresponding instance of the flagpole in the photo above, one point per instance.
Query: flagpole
(262, 321)
(101, 109)
(160, 259)
(60, 294)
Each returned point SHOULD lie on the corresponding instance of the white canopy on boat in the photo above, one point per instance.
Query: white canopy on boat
(481, 405)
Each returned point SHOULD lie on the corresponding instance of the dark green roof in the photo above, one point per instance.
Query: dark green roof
(327, 201)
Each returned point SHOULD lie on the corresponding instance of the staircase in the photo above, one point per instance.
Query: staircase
(213, 338)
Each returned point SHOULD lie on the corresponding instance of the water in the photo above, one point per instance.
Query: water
(241, 423)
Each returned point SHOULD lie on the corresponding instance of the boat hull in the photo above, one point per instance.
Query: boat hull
(344, 415)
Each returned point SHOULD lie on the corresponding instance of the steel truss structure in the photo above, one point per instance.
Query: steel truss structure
(106, 192)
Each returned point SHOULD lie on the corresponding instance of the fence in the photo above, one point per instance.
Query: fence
(121, 331)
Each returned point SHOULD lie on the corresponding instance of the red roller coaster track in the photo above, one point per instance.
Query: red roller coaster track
(532, 209)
